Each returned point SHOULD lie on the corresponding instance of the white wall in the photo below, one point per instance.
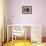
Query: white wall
(38, 15)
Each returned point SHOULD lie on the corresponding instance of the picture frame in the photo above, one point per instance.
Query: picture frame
(26, 9)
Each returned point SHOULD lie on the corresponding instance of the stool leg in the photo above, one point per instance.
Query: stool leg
(25, 36)
(12, 36)
(15, 38)
(7, 34)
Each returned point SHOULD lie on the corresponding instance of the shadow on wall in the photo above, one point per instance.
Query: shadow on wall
(43, 33)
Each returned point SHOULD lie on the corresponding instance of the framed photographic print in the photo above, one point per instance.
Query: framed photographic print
(26, 9)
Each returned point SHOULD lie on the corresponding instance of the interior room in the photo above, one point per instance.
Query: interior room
(22, 22)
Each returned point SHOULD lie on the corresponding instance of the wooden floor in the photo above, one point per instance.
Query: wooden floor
(23, 43)
(18, 43)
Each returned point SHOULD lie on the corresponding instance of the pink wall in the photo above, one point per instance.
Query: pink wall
(38, 16)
